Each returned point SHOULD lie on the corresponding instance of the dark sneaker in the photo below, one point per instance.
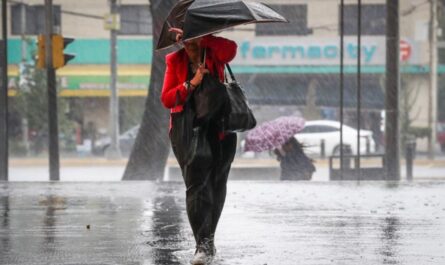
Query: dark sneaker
(212, 250)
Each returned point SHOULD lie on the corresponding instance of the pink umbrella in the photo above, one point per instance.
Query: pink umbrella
(273, 134)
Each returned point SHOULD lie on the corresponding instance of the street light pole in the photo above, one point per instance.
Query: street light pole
(113, 152)
(392, 153)
(359, 85)
(432, 92)
(342, 76)
(3, 95)
(25, 129)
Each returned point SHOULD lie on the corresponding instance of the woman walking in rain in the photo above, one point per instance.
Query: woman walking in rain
(205, 182)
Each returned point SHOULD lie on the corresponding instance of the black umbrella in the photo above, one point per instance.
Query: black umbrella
(175, 19)
(202, 17)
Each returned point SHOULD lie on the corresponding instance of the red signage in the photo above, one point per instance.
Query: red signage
(405, 50)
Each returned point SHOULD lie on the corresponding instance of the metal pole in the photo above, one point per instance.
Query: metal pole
(4, 95)
(25, 129)
(23, 29)
(52, 95)
(392, 154)
(113, 151)
(359, 83)
(410, 150)
(368, 146)
(322, 149)
(432, 93)
(342, 75)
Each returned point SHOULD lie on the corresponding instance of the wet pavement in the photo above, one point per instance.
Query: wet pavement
(264, 222)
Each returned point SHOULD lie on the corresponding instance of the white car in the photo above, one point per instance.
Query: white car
(126, 142)
(329, 131)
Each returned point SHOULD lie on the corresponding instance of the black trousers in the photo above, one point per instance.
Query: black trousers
(206, 184)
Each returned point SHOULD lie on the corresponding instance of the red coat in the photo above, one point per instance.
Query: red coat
(219, 52)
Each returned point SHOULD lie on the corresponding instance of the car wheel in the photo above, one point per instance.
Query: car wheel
(105, 150)
(347, 150)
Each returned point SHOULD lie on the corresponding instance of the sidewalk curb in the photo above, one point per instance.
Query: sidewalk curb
(239, 162)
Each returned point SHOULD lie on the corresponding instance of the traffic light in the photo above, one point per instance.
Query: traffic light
(60, 59)
(41, 51)
(59, 43)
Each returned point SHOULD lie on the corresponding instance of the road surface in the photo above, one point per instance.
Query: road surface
(264, 222)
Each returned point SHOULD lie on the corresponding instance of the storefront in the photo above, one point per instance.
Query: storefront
(300, 74)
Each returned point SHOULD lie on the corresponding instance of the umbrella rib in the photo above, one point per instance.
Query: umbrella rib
(258, 13)
(208, 4)
(251, 12)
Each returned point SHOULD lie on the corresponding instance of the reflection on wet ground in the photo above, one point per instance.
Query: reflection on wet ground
(263, 223)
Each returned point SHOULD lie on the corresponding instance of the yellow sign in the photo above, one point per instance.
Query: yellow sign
(58, 46)
(41, 51)
(112, 22)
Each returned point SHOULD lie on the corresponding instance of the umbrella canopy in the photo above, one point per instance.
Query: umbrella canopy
(202, 17)
(175, 19)
(273, 134)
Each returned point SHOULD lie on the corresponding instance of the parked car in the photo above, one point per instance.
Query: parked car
(126, 141)
(441, 135)
(329, 131)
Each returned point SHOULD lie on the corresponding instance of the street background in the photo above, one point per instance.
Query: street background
(286, 70)
(113, 128)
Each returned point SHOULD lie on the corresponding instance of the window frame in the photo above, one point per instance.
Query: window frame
(301, 28)
(350, 20)
(140, 23)
(35, 22)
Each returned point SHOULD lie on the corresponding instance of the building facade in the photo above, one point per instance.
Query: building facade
(284, 68)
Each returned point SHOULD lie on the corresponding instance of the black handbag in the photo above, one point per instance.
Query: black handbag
(190, 143)
(209, 97)
(238, 116)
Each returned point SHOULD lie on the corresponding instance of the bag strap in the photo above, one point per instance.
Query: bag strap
(232, 76)
(203, 60)
(178, 98)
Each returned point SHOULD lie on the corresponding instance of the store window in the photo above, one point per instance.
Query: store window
(135, 20)
(35, 19)
(373, 19)
(297, 16)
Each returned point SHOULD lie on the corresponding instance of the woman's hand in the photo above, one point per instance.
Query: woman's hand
(200, 72)
(179, 32)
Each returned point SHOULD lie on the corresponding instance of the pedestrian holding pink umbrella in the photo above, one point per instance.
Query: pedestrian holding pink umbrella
(278, 135)
(273, 134)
